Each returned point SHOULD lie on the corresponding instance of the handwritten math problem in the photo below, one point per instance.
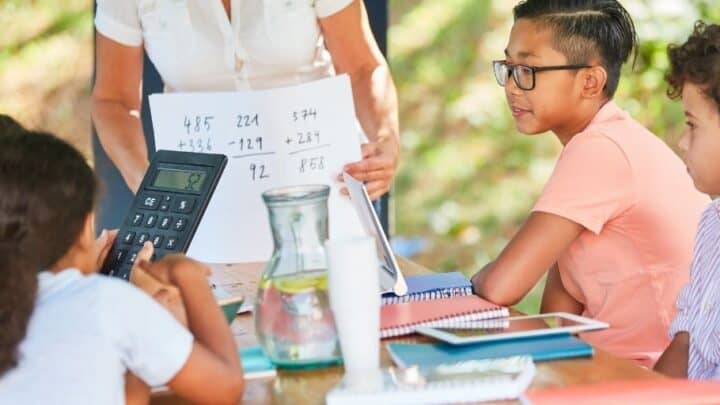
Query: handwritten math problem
(273, 138)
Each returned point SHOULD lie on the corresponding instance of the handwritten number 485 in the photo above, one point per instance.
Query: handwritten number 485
(198, 124)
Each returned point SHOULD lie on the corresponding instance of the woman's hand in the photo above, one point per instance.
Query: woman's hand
(377, 169)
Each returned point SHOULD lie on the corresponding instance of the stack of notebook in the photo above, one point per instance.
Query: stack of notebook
(538, 348)
(430, 287)
(402, 319)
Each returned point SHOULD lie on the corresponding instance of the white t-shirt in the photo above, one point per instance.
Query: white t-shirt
(195, 47)
(84, 334)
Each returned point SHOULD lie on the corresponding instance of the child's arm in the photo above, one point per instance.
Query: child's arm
(214, 360)
(136, 391)
(674, 361)
(555, 296)
(536, 247)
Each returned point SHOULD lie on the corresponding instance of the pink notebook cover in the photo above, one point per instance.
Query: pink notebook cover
(661, 391)
(400, 319)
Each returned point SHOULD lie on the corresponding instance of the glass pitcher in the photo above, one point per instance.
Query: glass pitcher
(293, 321)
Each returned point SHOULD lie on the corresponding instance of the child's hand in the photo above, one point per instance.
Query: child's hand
(102, 247)
(172, 268)
(162, 291)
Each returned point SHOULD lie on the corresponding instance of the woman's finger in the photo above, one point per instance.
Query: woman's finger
(376, 175)
(376, 189)
(368, 165)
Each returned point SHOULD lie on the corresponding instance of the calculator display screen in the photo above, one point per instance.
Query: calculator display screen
(182, 180)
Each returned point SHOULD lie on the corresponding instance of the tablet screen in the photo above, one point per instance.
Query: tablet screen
(509, 325)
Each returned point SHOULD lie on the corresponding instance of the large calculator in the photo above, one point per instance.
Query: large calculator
(167, 208)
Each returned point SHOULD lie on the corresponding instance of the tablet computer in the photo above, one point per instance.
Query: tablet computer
(512, 328)
(391, 278)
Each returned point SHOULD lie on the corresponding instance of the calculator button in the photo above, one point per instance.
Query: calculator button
(150, 201)
(165, 222)
(137, 219)
(150, 221)
(165, 203)
(184, 205)
(179, 224)
(131, 257)
(120, 255)
(157, 240)
(142, 238)
(128, 237)
(171, 243)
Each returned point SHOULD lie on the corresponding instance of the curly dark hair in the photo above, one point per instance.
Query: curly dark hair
(48, 190)
(697, 61)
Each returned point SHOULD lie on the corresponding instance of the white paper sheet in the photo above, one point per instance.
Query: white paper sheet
(296, 135)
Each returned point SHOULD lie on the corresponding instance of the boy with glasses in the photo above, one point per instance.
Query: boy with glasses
(614, 225)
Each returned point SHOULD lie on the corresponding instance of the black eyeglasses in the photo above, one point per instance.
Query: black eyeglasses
(524, 75)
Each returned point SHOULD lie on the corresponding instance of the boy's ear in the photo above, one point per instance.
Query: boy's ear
(86, 239)
(594, 80)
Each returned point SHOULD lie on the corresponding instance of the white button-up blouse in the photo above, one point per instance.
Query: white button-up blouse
(195, 47)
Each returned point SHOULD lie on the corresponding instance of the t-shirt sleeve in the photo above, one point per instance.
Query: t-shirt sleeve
(119, 21)
(591, 184)
(326, 8)
(152, 343)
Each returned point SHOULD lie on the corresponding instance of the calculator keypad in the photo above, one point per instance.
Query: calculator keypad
(164, 231)
(167, 208)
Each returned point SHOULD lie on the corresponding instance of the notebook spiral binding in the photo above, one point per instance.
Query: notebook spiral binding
(429, 295)
(448, 322)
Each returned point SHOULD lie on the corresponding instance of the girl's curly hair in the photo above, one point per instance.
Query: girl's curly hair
(697, 61)
(47, 191)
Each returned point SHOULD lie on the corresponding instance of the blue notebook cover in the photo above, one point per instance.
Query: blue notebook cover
(255, 363)
(539, 348)
(432, 286)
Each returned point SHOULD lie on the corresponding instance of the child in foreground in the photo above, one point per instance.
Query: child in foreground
(70, 336)
(695, 76)
(615, 222)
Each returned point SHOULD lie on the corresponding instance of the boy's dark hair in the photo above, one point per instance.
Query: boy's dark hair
(47, 190)
(586, 29)
(697, 61)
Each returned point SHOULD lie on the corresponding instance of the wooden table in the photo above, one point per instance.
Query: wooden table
(310, 387)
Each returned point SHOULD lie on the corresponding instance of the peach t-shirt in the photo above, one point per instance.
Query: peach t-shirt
(640, 211)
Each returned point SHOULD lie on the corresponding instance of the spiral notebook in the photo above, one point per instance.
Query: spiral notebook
(425, 287)
(461, 382)
(402, 319)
